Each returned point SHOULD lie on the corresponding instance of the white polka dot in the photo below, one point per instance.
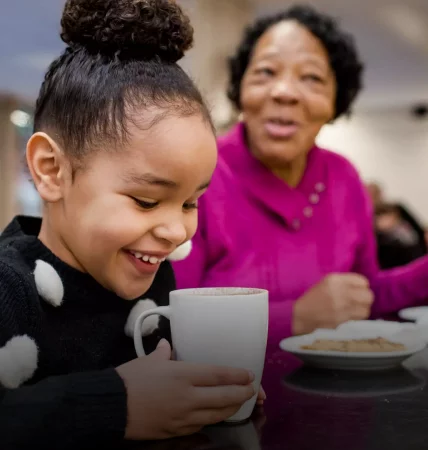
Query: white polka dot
(18, 361)
(149, 325)
(181, 252)
(49, 284)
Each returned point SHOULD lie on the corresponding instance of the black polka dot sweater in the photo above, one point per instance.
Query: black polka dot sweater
(61, 336)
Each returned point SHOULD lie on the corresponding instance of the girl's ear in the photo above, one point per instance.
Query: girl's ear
(48, 166)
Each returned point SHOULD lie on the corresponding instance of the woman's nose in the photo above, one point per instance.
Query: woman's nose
(285, 91)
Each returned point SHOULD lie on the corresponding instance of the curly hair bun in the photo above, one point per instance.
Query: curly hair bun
(136, 29)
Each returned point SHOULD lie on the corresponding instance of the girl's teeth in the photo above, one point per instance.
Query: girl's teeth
(147, 258)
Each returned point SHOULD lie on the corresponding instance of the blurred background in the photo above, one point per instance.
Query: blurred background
(386, 137)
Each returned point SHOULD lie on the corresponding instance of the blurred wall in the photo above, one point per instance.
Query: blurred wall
(218, 29)
(387, 146)
(8, 160)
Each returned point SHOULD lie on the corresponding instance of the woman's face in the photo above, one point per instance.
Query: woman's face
(288, 93)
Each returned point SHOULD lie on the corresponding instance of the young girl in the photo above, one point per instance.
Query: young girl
(122, 149)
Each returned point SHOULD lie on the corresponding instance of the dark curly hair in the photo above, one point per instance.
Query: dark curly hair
(120, 58)
(340, 47)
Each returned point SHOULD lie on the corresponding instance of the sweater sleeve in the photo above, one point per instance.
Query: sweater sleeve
(396, 288)
(59, 412)
(64, 412)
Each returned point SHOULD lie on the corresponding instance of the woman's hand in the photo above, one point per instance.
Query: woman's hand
(335, 300)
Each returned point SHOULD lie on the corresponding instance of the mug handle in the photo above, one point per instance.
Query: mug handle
(138, 340)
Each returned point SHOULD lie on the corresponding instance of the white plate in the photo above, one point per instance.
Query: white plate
(413, 314)
(401, 333)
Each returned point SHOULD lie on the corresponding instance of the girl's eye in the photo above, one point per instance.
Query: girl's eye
(145, 205)
(189, 206)
(150, 205)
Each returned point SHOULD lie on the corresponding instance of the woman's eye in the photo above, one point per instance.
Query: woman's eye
(313, 77)
(144, 204)
(265, 71)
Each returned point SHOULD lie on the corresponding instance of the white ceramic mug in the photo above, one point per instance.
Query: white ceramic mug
(217, 326)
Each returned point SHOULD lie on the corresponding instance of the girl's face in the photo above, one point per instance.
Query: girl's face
(126, 211)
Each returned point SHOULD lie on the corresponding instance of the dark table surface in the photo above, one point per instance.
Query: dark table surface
(324, 409)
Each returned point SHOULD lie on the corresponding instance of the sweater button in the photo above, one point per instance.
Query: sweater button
(308, 212)
(320, 187)
(314, 198)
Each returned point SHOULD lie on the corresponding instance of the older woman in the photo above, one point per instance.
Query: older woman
(282, 213)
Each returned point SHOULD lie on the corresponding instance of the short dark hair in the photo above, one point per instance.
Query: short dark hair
(386, 208)
(121, 57)
(340, 47)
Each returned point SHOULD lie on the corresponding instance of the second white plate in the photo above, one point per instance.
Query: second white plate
(413, 314)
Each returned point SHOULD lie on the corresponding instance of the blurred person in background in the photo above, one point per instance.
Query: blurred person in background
(282, 213)
(399, 241)
(400, 236)
(376, 193)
